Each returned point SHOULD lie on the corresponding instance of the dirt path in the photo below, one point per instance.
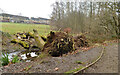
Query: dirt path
(63, 64)
(108, 63)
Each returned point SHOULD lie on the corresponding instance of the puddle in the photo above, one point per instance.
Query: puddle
(26, 56)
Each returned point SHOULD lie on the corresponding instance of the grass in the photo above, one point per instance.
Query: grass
(13, 28)
(79, 62)
(74, 70)
(5, 59)
(27, 68)
(15, 59)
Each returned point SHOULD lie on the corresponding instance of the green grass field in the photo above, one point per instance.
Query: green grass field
(13, 28)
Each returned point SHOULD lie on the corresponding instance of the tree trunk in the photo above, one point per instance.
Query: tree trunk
(26, 43)
(38, 39)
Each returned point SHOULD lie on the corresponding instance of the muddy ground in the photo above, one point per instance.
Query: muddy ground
(107, 64)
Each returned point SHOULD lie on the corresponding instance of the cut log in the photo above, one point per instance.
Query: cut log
(38, 39)
(22, 43)
(27, 43)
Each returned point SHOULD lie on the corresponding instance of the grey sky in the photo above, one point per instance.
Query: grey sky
(30, 8)
(33, 8)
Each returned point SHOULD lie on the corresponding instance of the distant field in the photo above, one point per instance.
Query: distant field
(13, 28)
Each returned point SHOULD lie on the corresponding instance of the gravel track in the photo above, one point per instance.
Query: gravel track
(107, 64)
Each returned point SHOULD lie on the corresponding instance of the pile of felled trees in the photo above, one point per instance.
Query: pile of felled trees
(56, 43)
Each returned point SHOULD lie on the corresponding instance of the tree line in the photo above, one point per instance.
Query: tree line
(97, 18)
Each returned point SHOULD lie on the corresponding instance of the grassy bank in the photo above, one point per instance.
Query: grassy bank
(13, 28)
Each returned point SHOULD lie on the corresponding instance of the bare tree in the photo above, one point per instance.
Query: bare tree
(98, 18)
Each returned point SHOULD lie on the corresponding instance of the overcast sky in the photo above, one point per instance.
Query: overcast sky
(29, 8)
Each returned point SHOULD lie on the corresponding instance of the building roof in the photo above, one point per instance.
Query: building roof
(10, 15)
(43, 18)
(39, 18)
(33, 18)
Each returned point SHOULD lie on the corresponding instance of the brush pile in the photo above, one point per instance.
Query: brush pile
(59, 43)
(80, 41)
(56, 43)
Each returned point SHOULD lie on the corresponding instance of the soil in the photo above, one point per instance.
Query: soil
(107, 64)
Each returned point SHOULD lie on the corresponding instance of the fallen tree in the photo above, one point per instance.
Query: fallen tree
(28, 40)
(56, 43)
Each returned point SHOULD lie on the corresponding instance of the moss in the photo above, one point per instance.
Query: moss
(24, 44)
(24, 36)
(30, 34)
(74, 70)
(40, 42)
(79, 62)
(44, 38)
(14, 41)
(42, 55)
